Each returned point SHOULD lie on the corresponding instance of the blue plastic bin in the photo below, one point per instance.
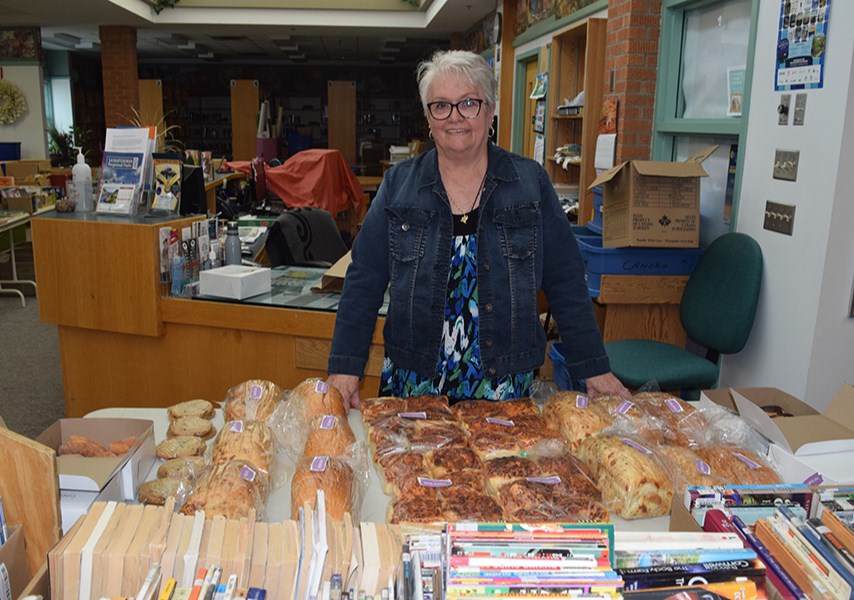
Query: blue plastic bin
(10, 150)
(561, 374)
(596, 223)
(634, 261)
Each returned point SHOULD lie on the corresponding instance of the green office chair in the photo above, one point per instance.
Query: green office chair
(717, 311)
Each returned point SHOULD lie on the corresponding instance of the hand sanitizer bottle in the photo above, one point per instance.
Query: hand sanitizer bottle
(81, 176)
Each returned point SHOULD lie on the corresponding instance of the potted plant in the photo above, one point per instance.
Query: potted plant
(60, 147)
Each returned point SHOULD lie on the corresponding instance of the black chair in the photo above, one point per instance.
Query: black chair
(304, 237)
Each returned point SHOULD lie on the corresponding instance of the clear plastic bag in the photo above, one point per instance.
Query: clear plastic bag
(255, 399)
(343, 479)
(230, 489)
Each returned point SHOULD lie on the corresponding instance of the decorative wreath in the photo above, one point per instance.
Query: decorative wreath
(13, 103)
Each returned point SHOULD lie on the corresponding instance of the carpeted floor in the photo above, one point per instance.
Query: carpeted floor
(31, 396)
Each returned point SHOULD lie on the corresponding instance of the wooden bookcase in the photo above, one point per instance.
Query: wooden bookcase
(577, 64)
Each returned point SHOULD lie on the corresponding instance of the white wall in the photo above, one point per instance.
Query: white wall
(802, 341)
(30, 129)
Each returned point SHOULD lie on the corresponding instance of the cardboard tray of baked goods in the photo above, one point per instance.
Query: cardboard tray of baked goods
(92, 474)
(806, 445)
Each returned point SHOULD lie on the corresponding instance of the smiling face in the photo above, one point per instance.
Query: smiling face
(456, 136)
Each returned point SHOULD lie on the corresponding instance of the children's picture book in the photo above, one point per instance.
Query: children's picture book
(167, 183)
(125, 169)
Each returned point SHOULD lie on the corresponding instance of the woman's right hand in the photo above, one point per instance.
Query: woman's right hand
(348, 385)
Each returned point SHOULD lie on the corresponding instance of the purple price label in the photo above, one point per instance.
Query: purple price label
(747, 461)
(553, 480)
(635, 445)
(703, 467)
(235, 426)
(255, 392)
(502, 422)
(328, 422)
(318, 464)
(413, 415)
(433, 483)
(321, 387)
(814, 479)
(582, 401)
(247, 473)
(673, 405)
(624, 407)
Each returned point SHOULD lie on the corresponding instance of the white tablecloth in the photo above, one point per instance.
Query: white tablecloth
(375, 503)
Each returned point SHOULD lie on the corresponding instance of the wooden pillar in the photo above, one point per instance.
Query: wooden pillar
(119, 73)
(341, 101)
(631, 57)
(245, 104)
(505, 80)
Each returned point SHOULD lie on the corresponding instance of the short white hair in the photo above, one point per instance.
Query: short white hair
(467, 65)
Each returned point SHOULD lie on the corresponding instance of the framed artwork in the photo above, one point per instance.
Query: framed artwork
(22, 44)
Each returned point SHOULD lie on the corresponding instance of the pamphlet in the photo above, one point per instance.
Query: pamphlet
(125, 169)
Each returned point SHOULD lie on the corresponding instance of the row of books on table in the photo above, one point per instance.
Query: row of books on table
(792, 540)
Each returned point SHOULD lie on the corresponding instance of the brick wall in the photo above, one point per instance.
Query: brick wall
(631, 57)
(119, 72)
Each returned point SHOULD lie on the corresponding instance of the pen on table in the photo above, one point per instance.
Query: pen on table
(230, 587)
(168, 589)
(211, 587)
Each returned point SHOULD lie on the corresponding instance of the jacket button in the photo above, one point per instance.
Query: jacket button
(405, 226)
(488, 343)
(488, 308)
(492, 370)
(486, 266)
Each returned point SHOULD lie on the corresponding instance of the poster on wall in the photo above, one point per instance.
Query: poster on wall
(801, 44)
(735, 90)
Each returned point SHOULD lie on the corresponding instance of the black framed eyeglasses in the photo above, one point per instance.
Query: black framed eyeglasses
(468, 108)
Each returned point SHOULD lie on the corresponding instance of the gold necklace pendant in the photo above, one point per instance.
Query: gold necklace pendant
(464, 219)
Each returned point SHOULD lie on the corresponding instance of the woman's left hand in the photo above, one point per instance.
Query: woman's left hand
(606, 385)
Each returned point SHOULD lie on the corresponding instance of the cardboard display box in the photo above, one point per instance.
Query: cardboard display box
(25, 168)
(93, 474)
(13, 554)
(652, 204)
(808, 446)
(235, 281)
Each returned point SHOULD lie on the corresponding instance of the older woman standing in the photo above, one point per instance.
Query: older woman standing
(466, 235)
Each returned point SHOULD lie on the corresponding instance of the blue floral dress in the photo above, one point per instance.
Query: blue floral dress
(459, 374)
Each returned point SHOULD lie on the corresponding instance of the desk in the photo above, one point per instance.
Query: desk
(370, 183)
(641, 307)
(220, 179)
(10, 224)
(375, 501)
(122, 342)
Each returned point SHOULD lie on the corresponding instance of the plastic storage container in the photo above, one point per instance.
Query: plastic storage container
(634, 261)
(561, 374)
(596, 223)
(10, 150)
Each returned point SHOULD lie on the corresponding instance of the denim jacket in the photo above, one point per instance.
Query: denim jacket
(525, 243)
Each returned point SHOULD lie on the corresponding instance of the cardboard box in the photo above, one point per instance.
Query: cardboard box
(73, 504)
(808, 446)
(235, 281)
(25, 168)
(652, 204)
(93, 474)
(13, 554)
(333, 278)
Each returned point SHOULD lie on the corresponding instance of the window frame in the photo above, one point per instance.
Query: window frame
(666, 127)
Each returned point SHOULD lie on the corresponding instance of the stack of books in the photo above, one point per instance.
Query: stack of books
(123, 550)
(488, 560)
(651, 563)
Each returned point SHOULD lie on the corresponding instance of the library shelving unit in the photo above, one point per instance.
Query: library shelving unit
(577, 64)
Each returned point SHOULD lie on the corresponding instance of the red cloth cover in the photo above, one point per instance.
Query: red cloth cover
(318, 177)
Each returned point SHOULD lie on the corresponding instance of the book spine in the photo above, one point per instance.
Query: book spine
(657, 581)
(769, 560)
(843, 553)
(839, 576)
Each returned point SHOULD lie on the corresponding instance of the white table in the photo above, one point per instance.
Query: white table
(10, 224)
(375, 502)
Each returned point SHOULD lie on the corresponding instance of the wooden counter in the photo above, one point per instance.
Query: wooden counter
(123, 344)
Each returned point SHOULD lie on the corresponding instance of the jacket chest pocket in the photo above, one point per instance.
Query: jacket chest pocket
(517, 226)
(407, 233)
